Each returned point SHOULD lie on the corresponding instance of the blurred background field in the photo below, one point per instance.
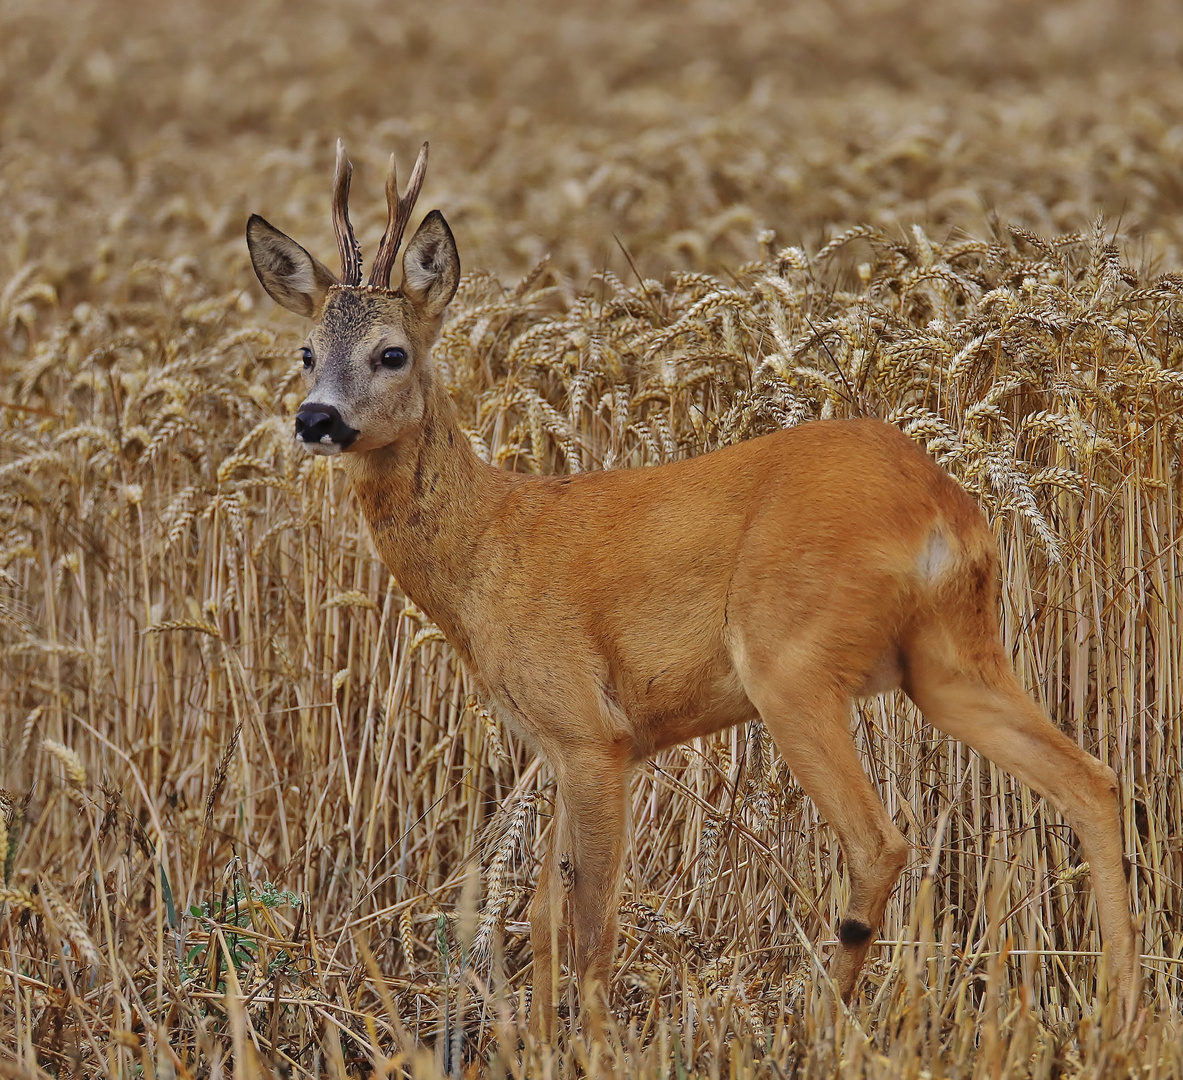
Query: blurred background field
(247, 789)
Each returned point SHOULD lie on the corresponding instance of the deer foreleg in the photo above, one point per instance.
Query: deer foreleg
(579, 886)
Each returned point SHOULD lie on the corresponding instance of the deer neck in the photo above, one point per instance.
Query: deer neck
(427, 501)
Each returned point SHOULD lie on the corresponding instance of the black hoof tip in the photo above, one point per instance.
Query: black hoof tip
(853, 932)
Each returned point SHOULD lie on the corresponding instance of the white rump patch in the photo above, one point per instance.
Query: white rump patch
(936, 557)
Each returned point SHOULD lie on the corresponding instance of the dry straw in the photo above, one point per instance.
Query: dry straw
(334, 742)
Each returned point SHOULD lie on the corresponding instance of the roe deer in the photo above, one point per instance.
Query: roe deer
(610, 615)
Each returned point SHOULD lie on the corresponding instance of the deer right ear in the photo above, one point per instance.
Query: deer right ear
(292, 277)
(431, 266)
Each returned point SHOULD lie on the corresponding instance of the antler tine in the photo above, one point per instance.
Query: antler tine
(347, 243)
(400, 214)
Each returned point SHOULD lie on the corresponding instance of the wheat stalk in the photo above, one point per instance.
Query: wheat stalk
(71, 762)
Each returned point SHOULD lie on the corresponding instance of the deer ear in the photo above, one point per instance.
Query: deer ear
(431, 266)
(292, 277)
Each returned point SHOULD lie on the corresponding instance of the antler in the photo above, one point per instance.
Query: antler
(346, 241)
(400, 214)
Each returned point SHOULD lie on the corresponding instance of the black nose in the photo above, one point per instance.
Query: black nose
(316, 423)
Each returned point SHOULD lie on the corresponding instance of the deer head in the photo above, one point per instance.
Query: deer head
(367, 359)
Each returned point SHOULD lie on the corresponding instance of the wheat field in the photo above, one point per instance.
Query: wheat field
(254, 820)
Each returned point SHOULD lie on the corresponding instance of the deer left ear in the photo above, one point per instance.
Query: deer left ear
(292, 277)
(431, 266)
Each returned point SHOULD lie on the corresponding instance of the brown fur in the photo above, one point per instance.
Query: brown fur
(613, 614)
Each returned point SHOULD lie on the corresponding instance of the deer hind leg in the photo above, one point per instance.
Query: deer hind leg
(981, 703)
(812, 732)
(581, 874)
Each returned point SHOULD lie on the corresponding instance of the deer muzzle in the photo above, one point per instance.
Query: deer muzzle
(322, 430)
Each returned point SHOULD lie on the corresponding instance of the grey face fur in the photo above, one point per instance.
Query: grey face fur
(379, 402)
(362, 402)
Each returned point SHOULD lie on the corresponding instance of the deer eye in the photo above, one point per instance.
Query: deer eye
(394, 358)
(306, 356)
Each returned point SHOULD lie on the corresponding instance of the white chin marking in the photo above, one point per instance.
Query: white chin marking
(325, 449)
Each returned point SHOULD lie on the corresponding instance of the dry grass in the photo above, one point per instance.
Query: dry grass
(247, 788)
